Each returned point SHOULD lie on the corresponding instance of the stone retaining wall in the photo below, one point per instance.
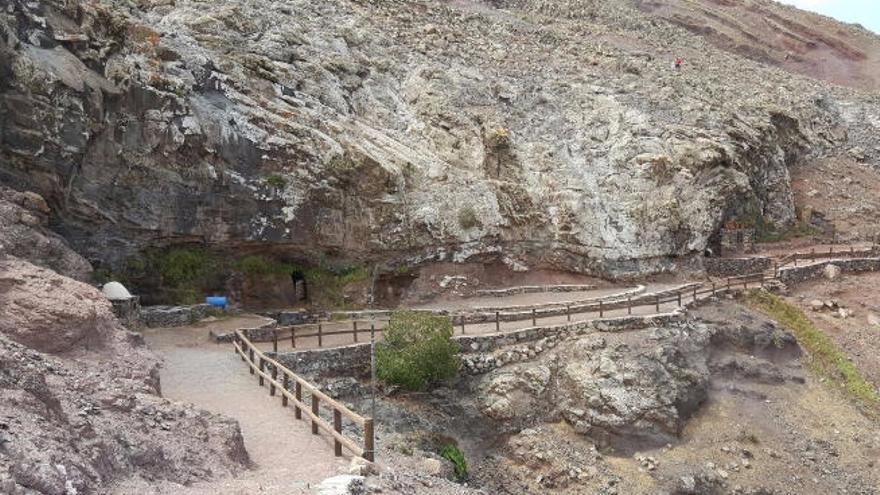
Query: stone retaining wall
(796, 274)
(731, 267)
(608, 297)
(173, 316)
(350, 360)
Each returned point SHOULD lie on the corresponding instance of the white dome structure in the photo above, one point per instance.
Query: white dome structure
(115, 291)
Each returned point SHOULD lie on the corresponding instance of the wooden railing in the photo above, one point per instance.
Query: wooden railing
(601, 308)
(268, 370)
(814, 254)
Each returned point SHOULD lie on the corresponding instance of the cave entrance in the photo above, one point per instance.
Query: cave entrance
(300, 286)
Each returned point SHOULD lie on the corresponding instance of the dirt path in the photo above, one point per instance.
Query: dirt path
(287, 458)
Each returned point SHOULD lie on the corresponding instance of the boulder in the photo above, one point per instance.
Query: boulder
(343, 484)
(831, 272)
(49, 312)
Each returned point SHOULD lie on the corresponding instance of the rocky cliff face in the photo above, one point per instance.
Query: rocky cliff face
(539, 133)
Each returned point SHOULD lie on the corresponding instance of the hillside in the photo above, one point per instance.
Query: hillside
(539, 134)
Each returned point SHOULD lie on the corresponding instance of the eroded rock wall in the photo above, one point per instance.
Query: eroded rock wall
(534, 133)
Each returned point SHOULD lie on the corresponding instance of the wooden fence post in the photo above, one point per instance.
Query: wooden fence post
(262, 369)
(534, 324)
(695, 294)
(462, 324)
(369, 453)
(251, 354)
(601, 311)
(629, 305)
(728, 283)
(497, 322)
(315, 412)
(657, 303)
(713, 288)
(274, 379)
(679, 299)
(286, 388)
(298, 393)
(320, 335)
(568, 312)
(354, 329)
(293, 337)
(274, 340)
(337, 426)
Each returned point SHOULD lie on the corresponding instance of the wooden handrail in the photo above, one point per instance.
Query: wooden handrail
(257, 361)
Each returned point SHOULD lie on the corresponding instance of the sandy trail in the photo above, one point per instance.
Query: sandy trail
(287, 457)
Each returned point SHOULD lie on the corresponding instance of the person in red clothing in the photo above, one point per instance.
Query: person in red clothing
(677, 63)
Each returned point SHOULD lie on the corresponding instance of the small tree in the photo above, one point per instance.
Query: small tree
(417, 350)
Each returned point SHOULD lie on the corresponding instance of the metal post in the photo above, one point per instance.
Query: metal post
(369, 431)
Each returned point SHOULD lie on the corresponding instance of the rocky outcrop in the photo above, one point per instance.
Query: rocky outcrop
(637, 388)
(79, 395)
(344, 130)
(77, 425)
(24, 218)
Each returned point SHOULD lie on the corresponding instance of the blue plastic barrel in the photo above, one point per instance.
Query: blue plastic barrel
(216, 301)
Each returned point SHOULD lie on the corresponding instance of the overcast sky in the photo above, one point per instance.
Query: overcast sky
(864, 12)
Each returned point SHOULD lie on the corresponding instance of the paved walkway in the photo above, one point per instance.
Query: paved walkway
(288, 458)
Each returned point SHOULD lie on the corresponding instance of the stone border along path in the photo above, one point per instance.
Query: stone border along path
(532, 289)
(662, 302)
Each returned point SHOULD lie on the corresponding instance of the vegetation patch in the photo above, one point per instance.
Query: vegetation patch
(276, 181)
(456, 456)
(417, 350)
(186, 273)
(325, 285)
(826, 359)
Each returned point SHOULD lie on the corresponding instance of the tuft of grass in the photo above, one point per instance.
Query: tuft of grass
(276, 181)
(456, 456)
(826, 359)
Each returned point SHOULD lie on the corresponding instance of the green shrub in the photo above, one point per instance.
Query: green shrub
(185, 267)
(260, 265)
(826, 359)
(456, 456)
(417, 350)
(276, 181)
